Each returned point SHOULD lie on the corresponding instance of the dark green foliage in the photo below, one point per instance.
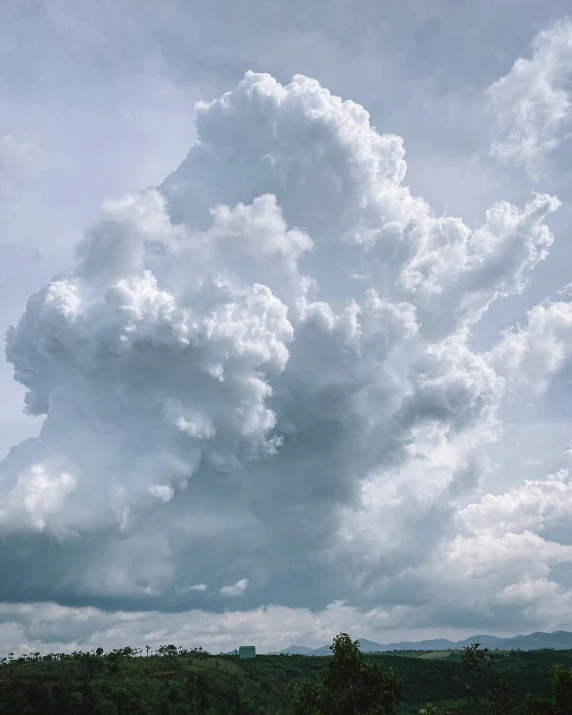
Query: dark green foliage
(482, 682)
(178, 681)
(561, 701)
(349, 686)
(561, 682)
(537, 706)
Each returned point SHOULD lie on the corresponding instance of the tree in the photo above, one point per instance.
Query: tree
(561, 682)
(537, 706)
(484, 683)
(349, 686)
(75, 703)
(561, 702)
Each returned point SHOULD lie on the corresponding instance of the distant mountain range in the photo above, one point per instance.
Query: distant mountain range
(559, 640)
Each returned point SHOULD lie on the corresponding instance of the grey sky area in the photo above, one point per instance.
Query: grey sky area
(286, 295)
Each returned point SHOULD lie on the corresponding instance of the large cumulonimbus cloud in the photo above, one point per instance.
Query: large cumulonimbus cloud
(256, 380)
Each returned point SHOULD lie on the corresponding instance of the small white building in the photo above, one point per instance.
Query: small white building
(246, 651)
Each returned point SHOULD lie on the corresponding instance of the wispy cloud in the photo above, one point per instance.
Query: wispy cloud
(531, 106)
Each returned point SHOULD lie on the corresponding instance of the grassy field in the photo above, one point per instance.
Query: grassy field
(436, 655)
(117, 684)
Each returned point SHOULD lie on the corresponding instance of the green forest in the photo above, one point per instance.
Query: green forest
(178, 681)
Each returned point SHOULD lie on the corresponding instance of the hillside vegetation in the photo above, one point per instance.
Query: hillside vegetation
(188, 682)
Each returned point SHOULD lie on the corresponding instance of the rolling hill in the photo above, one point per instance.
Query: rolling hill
(559, 640)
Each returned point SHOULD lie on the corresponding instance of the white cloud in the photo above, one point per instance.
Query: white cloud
(162, 492)
(502, 552)
(530, 354)
(36, 495)
(534, 505)
(234, 408)
(196, 587)
(531, 106)
(541, 597)
(237, 589)
(47, 627)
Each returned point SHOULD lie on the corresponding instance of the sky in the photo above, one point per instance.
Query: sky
(288, 313)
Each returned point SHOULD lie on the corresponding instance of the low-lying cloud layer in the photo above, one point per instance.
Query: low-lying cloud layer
(259, 388)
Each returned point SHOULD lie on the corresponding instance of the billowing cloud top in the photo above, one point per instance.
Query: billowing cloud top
(257, 381)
